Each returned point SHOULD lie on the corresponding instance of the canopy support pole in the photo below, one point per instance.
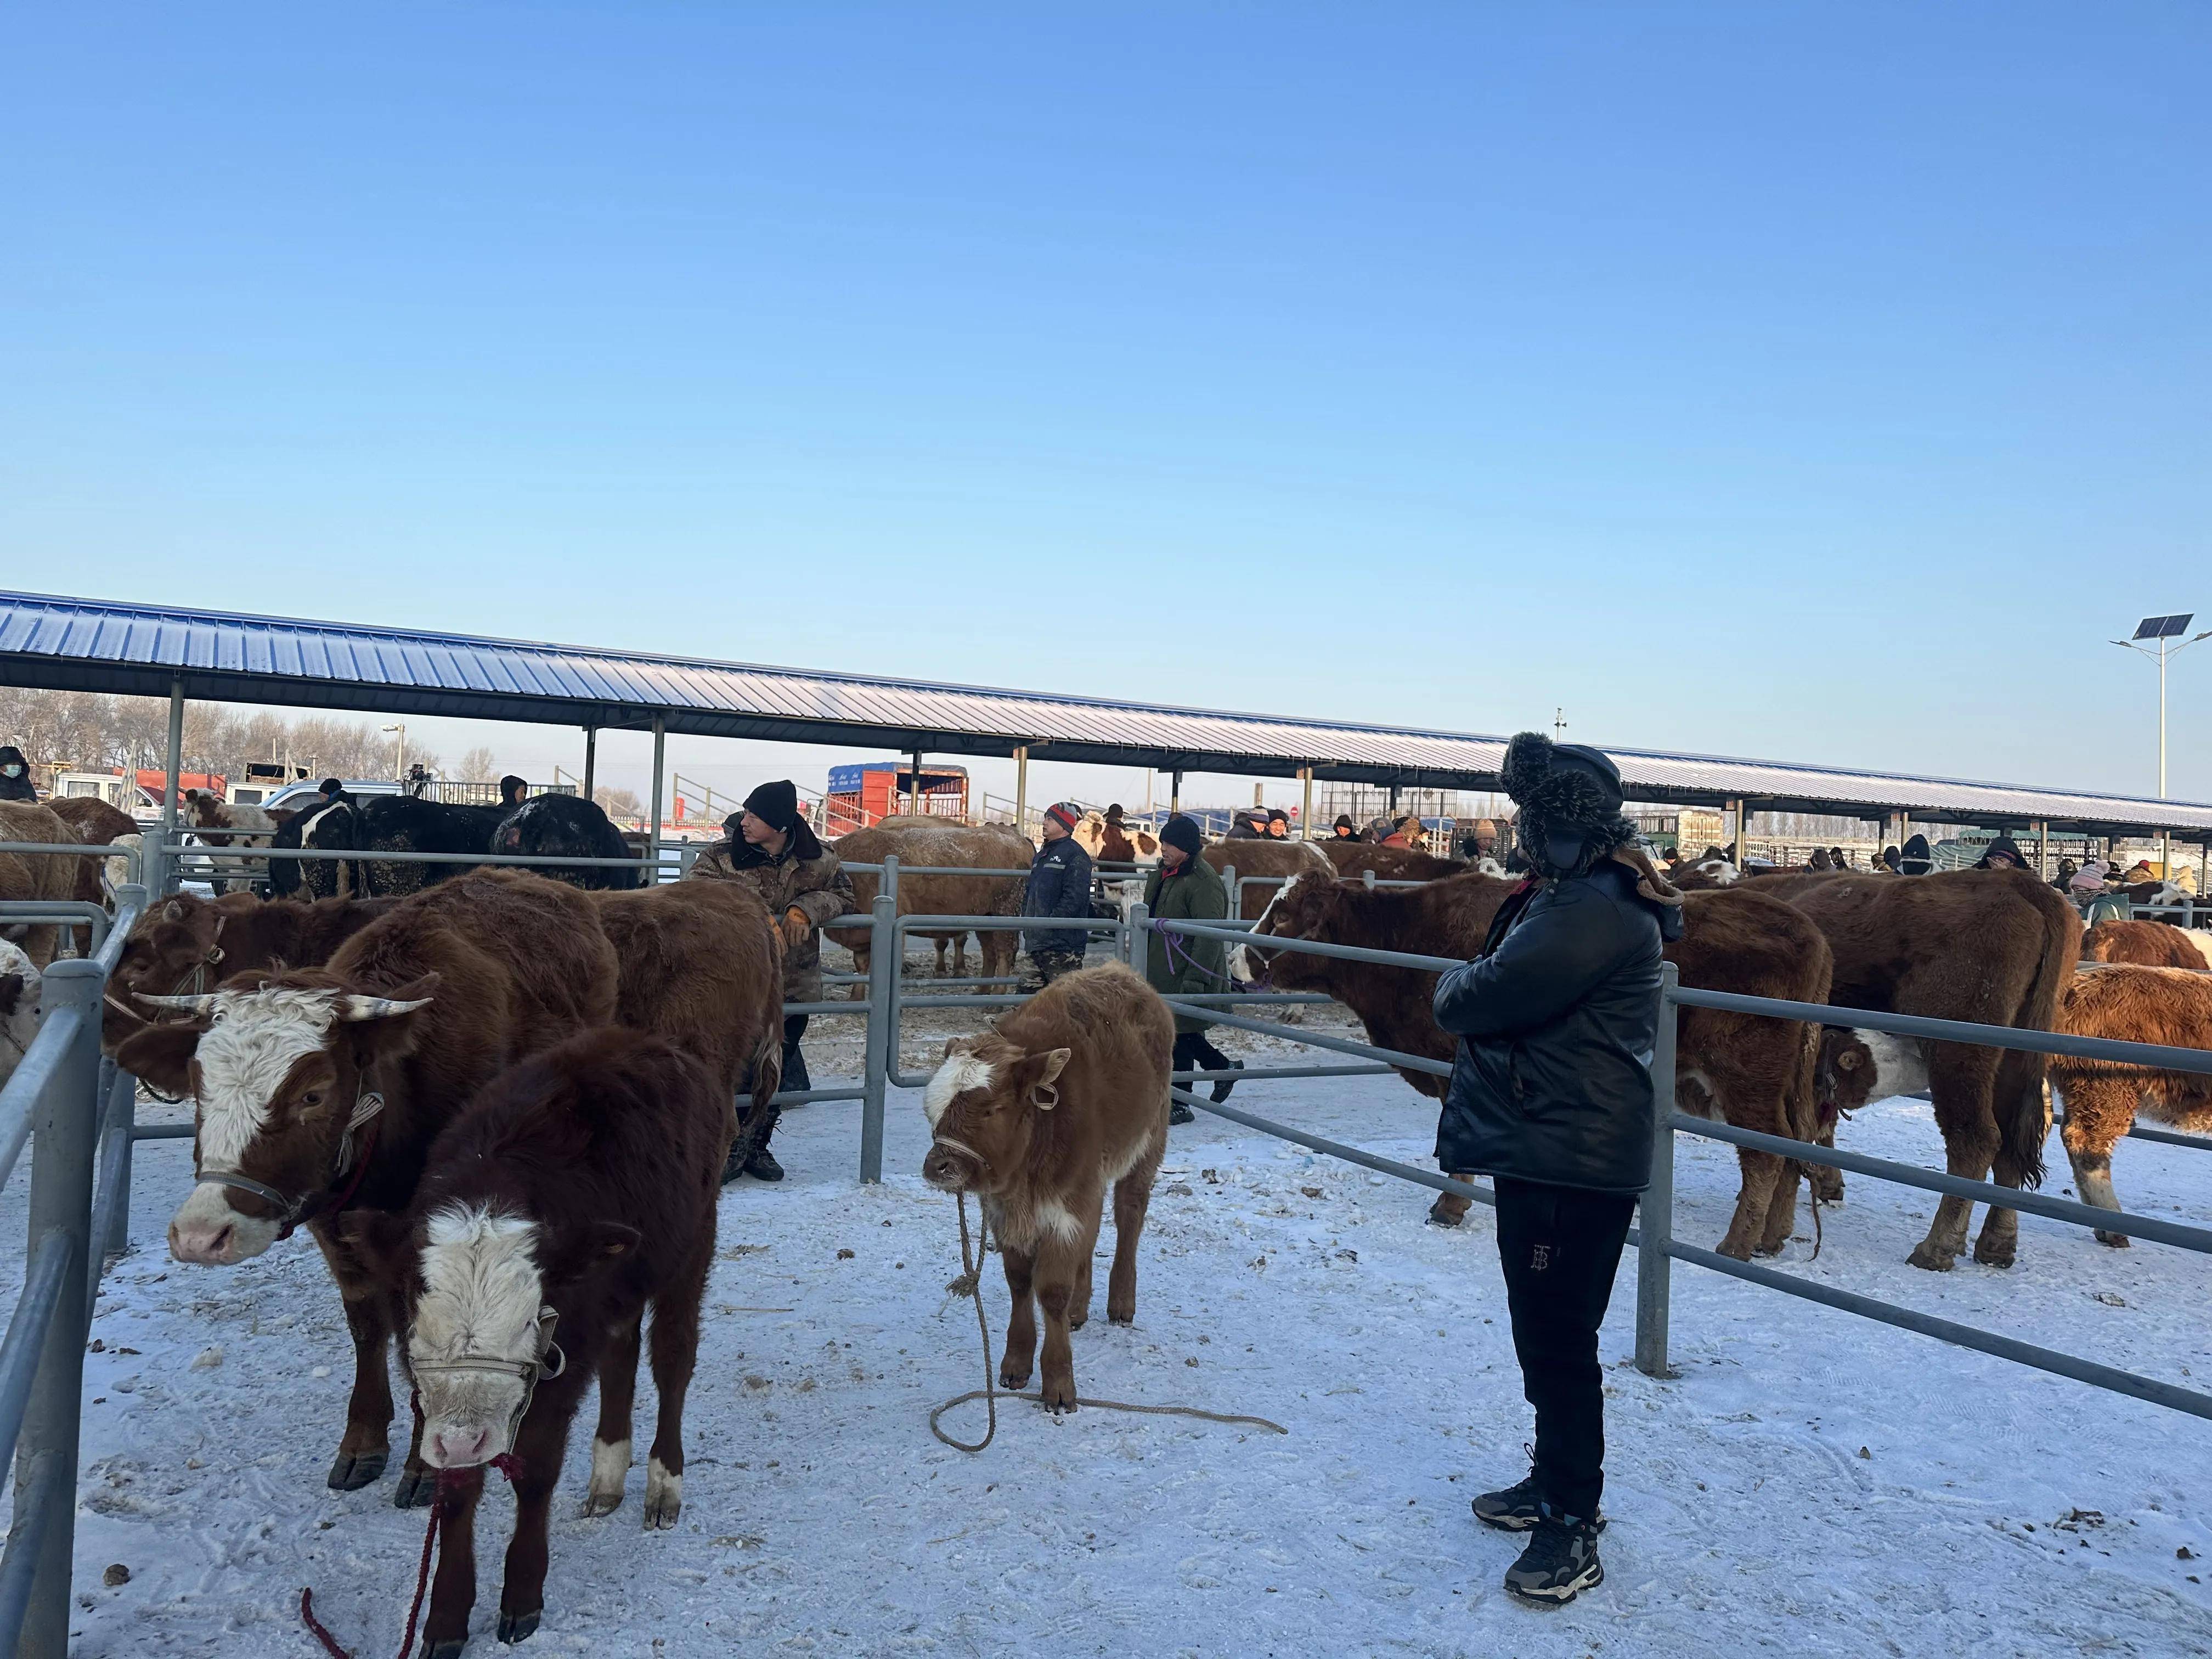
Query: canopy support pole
(1022, 790)
(591, 759)
(653, 834)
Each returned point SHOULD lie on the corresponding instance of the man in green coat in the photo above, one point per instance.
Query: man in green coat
(1186, 888)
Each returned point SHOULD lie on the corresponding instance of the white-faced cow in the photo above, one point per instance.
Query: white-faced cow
(317, 1088)
(1067, 1097)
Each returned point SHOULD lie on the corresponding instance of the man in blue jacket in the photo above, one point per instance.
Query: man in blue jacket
(1058, 885)
(1551, 1094)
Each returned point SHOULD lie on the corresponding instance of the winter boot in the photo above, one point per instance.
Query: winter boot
(1179, 1113)
(1560, 1562)
(1221, 1089)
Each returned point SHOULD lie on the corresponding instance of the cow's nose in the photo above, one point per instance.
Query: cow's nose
(200, 1241)
(458, 1449)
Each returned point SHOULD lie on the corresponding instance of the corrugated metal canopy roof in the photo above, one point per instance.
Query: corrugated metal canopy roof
(89, 645)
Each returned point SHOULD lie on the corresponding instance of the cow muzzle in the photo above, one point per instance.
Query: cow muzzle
(953, 1166)
(473, 1406)
(207, 1230)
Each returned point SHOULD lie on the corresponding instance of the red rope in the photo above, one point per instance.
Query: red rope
(448, 1479)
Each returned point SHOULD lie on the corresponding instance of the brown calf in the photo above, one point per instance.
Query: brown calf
(1067, 1096)
(186, 945)
(1747, 1070)
(2129, 1004)
(575, 1190)
(317, 1088)
(2147, 944)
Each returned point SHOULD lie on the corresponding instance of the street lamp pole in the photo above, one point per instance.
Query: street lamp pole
(2163, 630)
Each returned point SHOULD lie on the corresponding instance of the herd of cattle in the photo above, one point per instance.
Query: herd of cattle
(500, 1103)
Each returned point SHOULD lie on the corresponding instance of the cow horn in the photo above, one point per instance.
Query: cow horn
(199, 1004)
(352, 1005)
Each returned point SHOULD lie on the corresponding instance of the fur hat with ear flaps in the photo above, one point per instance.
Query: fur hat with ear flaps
(1570, 818)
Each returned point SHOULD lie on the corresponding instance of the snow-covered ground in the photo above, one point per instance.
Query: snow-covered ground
(1811, 1484)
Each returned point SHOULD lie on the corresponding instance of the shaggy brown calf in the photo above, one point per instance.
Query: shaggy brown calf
(186, 945)
(96, 824)
(1744, 1069)
(1996, 947)
(1067, 1096)
(2147, 944)
(946, 846)
(700, 963)
(2129, 1004)
(315, 1089)
(575, 1190)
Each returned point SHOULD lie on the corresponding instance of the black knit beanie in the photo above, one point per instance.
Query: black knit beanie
(776, 805)
(1183, 831)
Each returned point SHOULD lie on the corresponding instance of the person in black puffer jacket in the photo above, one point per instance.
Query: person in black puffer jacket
(1551, 1094)
(1058, 885)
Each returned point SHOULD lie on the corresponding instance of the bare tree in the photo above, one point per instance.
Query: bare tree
(619, 804)
(478, 766)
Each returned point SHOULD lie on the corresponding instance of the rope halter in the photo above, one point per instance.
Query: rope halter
(547, 1361)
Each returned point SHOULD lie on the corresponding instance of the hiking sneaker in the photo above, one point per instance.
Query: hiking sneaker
(1179, 1113)
(1516, 1509)
(762, 1166)
(1560, 1564)
(1221, 1089)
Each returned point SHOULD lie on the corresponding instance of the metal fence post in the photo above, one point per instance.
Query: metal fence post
(61, 1200)
(1235, 900)
(1135, 940)
(883, 986)
(1655, 1213)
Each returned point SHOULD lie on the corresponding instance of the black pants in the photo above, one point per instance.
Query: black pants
(1193, 1053)
(1051, 964)
(1559, 1246)
(795, 1063)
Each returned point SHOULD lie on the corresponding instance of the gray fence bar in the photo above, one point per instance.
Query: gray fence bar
(161, 1132)
(61, 1202)
(2149, 1054)
(1316, 1039)
(1419, 1177)
(883, 996)
(1945, 1330)
(27, 1331)
(1980, 1192)
(1655, 1210)
(1262, 1073)
(20, 1101)
(1312, 947)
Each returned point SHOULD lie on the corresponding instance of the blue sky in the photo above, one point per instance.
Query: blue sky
(1803, 382)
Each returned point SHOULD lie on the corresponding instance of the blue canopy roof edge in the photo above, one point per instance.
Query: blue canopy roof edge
(93, 645)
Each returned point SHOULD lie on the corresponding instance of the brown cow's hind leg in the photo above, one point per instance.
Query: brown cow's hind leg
(1757, 1174)
(675, 1355)
(1133, 1199)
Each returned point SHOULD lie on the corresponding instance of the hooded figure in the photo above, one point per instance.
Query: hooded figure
(2002, 854)
(1892, 860)
(1916, 859)
(512, 790)
(15, 776)
(1551, 1093)
(1344, 829)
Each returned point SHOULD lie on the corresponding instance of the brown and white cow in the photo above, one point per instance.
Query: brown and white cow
(1996, 947)
(187, 946)
(96, 823)
(947, 847)
(2129, 1004)
(576, 1190)
(316, 1089)
(1066, 1096)
(1351, 858)
(1744, 1069)
(2147, 944)
(1284, 859)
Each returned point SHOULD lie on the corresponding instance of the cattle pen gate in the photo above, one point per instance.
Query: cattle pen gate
(76, 1112)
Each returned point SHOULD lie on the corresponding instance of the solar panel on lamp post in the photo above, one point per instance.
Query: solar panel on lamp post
(2161, 629)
